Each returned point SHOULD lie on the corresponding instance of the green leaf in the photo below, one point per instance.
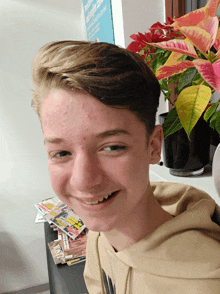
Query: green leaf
(183, 57)
(163, 85)
(217, 124)
(186, 77)
(158, 64)
(211, 56)
(213, 120)
(167, 53)
(160, 50)
(209, 112)
(172, 123)
(167, 94)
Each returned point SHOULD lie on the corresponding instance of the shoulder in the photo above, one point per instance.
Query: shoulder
(177, 198)
(176, 191)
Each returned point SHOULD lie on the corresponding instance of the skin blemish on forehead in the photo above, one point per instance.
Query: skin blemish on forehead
(56, 96)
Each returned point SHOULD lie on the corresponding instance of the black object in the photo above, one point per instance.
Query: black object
(63, 279)
(215, 137)
(186, 157)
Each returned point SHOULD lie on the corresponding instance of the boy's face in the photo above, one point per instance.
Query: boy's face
(95, 150)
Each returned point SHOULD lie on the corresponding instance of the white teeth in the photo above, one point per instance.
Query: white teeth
(95, 202)
(100, 200)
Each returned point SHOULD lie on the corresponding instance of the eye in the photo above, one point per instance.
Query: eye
(114, 148)
(59, 155)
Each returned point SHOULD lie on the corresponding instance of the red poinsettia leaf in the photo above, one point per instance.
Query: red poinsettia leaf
(190, 19)
(148, 37)
(134, 37)
(210, 72)
(210, 25)
(169, 21)
(180, 46)
(158, 38)
(141, 36)
(199, 37)
(176, 67)
(156, 26)
(193, 18)
(217, 40)
(211, 7)
(135, 46)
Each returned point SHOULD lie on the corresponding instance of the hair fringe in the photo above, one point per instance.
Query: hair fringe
(113, 75)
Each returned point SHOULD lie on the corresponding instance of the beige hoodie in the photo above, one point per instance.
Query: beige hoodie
(182, 256)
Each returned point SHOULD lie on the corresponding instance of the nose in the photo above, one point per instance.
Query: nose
(86, 174)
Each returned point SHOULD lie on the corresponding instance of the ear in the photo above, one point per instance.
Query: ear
(155, 144)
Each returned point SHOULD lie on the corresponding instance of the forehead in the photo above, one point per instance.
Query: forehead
(65, 111)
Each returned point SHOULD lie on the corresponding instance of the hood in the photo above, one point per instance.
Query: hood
(191, 237)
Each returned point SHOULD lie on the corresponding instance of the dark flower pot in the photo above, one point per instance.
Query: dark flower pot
(182, 156)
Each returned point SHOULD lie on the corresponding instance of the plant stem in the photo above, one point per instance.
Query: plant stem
(171, 102)
(167, 98)
(215, 103)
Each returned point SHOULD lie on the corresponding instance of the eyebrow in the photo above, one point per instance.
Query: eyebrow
(115, 132)
(53, 140)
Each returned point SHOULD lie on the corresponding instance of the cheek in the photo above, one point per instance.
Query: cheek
(57, 179)
(131, 171)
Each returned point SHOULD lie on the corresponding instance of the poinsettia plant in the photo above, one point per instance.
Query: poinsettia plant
(185, 52)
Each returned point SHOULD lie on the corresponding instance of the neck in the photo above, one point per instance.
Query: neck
(138, 225)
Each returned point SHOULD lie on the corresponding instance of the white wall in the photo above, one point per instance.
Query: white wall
(131, 17)
(139, 15)
(118, 22)
(25, 26)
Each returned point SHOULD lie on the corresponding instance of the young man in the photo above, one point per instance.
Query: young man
(97, 105)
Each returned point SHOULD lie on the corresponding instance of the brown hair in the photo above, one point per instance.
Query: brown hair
(115, 76)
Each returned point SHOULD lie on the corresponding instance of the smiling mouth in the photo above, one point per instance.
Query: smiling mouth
(104, 199)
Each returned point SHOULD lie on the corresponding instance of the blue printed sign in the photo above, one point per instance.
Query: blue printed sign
(98, 17)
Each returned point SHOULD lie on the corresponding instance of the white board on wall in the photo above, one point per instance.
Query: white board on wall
(99, 22)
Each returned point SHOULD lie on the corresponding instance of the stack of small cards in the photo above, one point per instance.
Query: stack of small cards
(70, 247)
